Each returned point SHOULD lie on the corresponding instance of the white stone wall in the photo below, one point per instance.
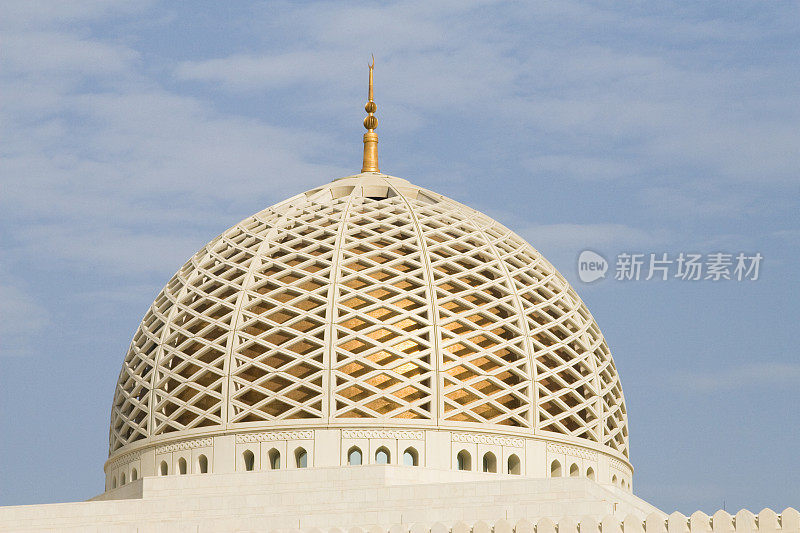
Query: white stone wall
(376, 499)
(326, 497)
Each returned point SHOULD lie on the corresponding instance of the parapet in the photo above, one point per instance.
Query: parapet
(767, 521)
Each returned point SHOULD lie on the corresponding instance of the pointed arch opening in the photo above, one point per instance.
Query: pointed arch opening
(249, 459)
(382, 456)
(411, 457)
(489, 462)
(354, 457)
(555, 469)
(514, 466)
(202, 464)
(274, 459)
(300, 458)
(464, 460)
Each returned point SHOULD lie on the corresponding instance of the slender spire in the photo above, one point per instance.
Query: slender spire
(370, 138)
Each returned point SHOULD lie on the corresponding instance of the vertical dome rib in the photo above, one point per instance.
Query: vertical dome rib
(332, 313)
(530, 412)
(433, 313)
(487, 351)
(269, 233)
(165, 331)
(190, 375)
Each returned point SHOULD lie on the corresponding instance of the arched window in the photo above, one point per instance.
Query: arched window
(555, 469)
(122, 479)
(182, 466)
(614, 480)
(300, 458)
(590, 473)
(249, 460)
(354, 456)
(274, 459)
(574, 470)
(164, 468)
(464, 460)
(382, 456)
(114, 483)
(513, 465)
(202, 464)
(489, 462)
(410, 457)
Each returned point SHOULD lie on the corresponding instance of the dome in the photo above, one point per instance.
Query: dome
(369, 304)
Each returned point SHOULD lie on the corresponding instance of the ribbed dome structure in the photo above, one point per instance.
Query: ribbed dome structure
(369, 302)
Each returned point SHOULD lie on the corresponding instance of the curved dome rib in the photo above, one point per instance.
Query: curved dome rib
(522, 322)
(431, 299)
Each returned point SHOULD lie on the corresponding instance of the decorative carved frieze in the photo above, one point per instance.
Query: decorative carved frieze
(572, 450)
(126, 459)
(275, 435)
(481, 438)
(618, 465)
(382, 434)
(185, 445)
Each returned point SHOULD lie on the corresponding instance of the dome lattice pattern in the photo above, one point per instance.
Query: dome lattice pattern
(366, 299)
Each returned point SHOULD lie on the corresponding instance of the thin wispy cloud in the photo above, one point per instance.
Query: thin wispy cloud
(573, 238)
(692, 199)
(114, 176)
(24, 14)
(589, 98)
(253, 73)
(752, 376)
(22, 318)
(599, 167)
(789, 235)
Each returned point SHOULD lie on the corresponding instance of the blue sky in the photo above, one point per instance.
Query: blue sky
(133, 132)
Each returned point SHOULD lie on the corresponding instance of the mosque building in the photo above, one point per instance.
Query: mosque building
(371, 356)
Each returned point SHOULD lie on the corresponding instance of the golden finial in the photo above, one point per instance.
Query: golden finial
(370, 138)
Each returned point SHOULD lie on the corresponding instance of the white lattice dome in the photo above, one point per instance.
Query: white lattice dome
(374, 309)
